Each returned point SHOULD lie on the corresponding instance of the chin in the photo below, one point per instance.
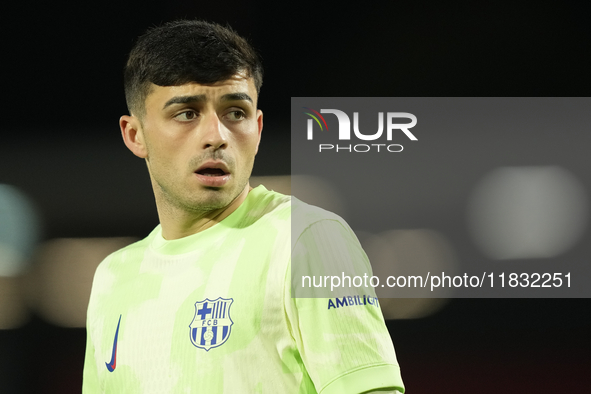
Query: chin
(215, 199)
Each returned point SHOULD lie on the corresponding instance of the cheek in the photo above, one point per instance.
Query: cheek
(164, 160)
(245, 144)
(163, 146)
(249, 149)
(249, 140)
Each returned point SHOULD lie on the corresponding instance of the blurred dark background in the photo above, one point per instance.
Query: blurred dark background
(60, 147)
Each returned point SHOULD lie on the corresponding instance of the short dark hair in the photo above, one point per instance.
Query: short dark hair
(187, 51)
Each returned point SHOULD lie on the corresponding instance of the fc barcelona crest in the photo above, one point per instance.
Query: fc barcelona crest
(212, 323)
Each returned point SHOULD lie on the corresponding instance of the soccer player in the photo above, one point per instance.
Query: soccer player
(204, 303)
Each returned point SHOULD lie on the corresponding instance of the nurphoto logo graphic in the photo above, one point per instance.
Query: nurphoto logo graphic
(344, 130)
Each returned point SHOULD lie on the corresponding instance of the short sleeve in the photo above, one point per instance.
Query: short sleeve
(90, 379)
(343, 341)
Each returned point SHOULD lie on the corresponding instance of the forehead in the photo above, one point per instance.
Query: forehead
(159, 95)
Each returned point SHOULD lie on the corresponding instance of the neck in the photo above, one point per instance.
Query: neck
(178, 223)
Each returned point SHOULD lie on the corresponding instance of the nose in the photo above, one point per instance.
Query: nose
(213, 133)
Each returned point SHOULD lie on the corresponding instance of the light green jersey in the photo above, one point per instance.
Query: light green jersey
(213, 312)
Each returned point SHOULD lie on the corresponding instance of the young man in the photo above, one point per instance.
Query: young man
(204, 304)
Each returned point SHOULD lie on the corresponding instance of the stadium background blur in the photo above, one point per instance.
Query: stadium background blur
(71, 193)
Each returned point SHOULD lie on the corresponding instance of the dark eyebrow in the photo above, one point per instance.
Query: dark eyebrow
(236, 97)
(185, 99)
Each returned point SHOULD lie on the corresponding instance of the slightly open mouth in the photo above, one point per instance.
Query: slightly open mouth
(212, 172)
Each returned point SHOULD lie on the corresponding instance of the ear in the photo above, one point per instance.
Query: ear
(133, 135)
(260, 127)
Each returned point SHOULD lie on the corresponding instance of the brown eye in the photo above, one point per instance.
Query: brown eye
(186, 116)
(189, 115)
(236, 115)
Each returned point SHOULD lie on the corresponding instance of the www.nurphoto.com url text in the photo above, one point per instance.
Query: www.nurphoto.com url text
(525, 280)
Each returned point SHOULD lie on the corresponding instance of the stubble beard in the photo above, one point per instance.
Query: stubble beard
(209, 199)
